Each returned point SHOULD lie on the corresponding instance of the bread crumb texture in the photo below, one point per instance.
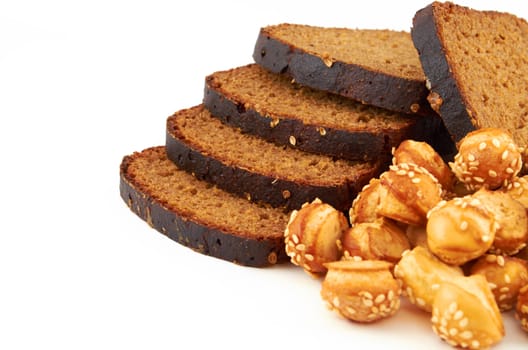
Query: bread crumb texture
(487, 52)
(381, 50)
(199, 201)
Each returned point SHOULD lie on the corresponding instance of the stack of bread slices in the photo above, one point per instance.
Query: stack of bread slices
(315, 116)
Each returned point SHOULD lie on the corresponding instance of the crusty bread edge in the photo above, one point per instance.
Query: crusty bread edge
(453, 109)
(343, 144)
(349, 80)
(262, 188)
(258, 252)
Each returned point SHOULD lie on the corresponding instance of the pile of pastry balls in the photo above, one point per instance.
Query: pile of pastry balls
(450, 237)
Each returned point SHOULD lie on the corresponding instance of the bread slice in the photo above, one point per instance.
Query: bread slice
(258, 170)
(199, 215)
(376, 67)
(477, 66)
(270, 106)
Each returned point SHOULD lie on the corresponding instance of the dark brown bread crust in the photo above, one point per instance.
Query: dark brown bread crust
(265, 188)
(349, 80)
(343, 144)
(195, 235)
(451, 106)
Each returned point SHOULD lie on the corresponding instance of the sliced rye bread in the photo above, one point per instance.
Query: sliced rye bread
(270, 106)
(376, 67)
(476, 63)
(259, 170)
(199, 215)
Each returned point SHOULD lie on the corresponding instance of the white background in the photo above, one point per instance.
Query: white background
(81, 85)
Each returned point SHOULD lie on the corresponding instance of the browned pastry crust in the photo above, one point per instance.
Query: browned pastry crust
(362, 291)
(521, 309)
(190, 229)
(505, 275)
(371, 86)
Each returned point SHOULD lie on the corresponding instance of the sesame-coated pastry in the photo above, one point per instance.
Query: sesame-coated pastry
(412, 187)
(505, 275)
(460, 230)
(512, 221)
(312, 235)
(365, 206)
(362, 291)
(487, 158)
(518, 189)
(423, 155)
(382, 239)
(521, 309)
(465, 313)
(421, 274)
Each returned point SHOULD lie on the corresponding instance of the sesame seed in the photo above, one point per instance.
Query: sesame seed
(350, 310)
(453, 332)
(492, 173)
(466, 335)
(485, 238)
(502, 297)
(322, 131)
(471, 157)
(475, 344)
(458, 315)
(292, 140)
(453, 307)
(478, 179)
(482, 146)
(510, 170)
(401, 172)
(464, 225)
(496, 143)
(309, 257)
(435, 286)
(295, 238)
(300, 247)
(491, 258)
(416, 180)
(492, 285)
(411, 174)
(390, 295)
(463, 322)
(366, 294)
(500, 260)
(379, 299)
(420, 302)
(505, 155)
(368, 302)
(507, 278)
(504, 290)
(335, 301)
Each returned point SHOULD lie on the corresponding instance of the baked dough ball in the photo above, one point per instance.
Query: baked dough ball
(460, 230)
(511, 218)
(488, 158)
(505, 275)
(365, 206)
(312, 235)
(465, 313)
(379, 240)
(518, 189)
(362, 291)
(408, 192)
(423, 155)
